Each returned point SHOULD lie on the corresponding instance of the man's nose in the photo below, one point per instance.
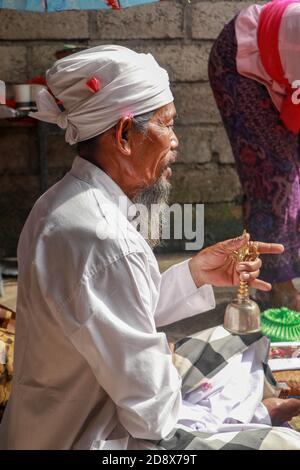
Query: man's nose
(174, 141)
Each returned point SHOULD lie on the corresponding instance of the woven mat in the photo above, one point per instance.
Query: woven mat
(292, 378)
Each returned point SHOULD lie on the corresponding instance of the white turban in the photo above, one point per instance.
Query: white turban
(99, 86)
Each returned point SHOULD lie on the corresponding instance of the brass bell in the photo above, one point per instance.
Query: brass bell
(242, 316)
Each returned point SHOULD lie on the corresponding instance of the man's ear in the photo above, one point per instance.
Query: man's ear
(122, 135)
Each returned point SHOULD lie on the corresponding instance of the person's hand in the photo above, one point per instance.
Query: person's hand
(281, 410)
(215, 265)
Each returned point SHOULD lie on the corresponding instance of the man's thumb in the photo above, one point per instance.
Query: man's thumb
(236, 243)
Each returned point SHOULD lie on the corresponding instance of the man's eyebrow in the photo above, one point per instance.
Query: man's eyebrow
(174, 118)
(170, 116)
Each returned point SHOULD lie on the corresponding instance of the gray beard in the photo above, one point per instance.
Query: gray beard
(158, 194)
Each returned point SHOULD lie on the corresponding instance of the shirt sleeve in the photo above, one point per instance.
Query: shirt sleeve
(261, 415)
(198, 418)
(110, 321)
(180, 297)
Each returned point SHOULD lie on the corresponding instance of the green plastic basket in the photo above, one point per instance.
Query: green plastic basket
(281, 324)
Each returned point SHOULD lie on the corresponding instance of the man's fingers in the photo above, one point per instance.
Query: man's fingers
(291, 407)
(260, 285)
(249, 265)
(269, 248)
(263, 248)
(249, 276)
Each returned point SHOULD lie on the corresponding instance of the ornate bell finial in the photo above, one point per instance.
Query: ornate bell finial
(242, 316)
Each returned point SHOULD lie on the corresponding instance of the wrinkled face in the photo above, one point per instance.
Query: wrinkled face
(137, 160)
(153, 154)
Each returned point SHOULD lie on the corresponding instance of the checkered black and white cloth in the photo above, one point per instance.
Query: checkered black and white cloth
(200, 357)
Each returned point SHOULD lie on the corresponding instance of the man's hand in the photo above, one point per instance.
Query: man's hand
(281, 410)
(215, 265)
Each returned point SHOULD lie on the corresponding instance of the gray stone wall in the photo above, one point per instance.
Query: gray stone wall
(180, 35)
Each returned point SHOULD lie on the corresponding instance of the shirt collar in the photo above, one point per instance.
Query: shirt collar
(93, 175)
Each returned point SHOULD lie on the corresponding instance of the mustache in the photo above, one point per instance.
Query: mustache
(172, 160)
(174, 155)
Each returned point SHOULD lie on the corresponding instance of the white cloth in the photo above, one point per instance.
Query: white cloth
(231, 397)
(89, 362)
(129, 82)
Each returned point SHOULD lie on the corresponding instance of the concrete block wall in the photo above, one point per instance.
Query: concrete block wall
(180, 35)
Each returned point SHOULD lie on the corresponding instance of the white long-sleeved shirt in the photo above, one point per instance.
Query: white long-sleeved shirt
(89, 362)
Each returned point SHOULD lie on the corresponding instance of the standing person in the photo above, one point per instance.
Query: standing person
(252, 68)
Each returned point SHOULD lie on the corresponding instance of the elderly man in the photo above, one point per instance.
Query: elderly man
(91, 370)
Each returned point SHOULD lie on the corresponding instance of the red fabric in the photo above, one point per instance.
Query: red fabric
(38, 80)
(268, 44)
(114, 4)
(94, 84)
